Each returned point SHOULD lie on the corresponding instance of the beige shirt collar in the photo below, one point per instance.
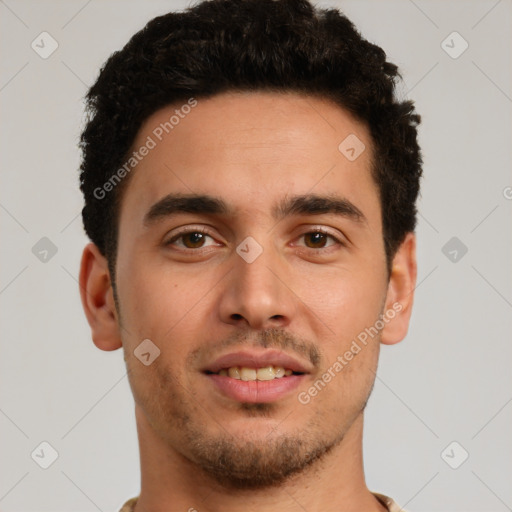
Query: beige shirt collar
(129, 506)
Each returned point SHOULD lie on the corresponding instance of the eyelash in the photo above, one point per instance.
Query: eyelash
(204, 231)
(188, 231)
(323, 231)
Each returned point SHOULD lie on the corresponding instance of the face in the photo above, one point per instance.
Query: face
(251, 247)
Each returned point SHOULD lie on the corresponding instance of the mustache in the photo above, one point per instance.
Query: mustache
(269, 338)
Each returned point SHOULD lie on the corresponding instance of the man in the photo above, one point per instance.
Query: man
(250, 183)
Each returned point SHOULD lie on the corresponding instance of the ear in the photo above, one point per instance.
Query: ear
(400, 293)
(98, 299)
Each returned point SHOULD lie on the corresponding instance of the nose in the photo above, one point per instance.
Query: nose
(256, 294)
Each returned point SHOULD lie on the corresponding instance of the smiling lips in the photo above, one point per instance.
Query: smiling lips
(256, 377)
(246, 374)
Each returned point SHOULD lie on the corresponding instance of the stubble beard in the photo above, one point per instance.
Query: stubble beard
(251, 465)
(241, 462)
(237, 462)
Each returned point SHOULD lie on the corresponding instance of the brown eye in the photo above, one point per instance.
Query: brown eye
(193, 240)
(316, 240)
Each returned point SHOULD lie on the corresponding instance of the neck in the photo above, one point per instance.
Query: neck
(169, 481)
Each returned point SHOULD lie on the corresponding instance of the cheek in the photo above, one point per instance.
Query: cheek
(346, 300)
(155, 299)
(159, 391)
(343, 385)
(349, 307)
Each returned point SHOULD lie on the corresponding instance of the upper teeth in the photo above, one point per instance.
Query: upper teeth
(244, 373)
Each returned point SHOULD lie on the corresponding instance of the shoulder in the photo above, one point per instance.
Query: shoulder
(391, 505)
(129, 505)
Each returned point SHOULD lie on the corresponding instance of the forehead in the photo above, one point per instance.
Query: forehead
(251, 149)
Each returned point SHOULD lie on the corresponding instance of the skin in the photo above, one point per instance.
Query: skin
(252, 150)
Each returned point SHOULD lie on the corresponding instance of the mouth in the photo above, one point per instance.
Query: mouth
(250, 374)
(254, 377)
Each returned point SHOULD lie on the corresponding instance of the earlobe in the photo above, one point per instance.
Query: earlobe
(400, 295)
(97, 299)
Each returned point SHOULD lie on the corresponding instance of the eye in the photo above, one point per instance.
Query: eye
(320, 239)
(192, 239)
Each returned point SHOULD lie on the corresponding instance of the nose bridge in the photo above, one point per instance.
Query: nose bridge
(254, 270)
(256, 293)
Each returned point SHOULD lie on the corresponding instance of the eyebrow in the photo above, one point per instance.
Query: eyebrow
(307, 204)
(185, 203)
(312, 204)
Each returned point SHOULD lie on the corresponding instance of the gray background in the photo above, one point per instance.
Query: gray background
(450, 380)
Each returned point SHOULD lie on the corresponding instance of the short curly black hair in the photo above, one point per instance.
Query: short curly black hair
(248, 45)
